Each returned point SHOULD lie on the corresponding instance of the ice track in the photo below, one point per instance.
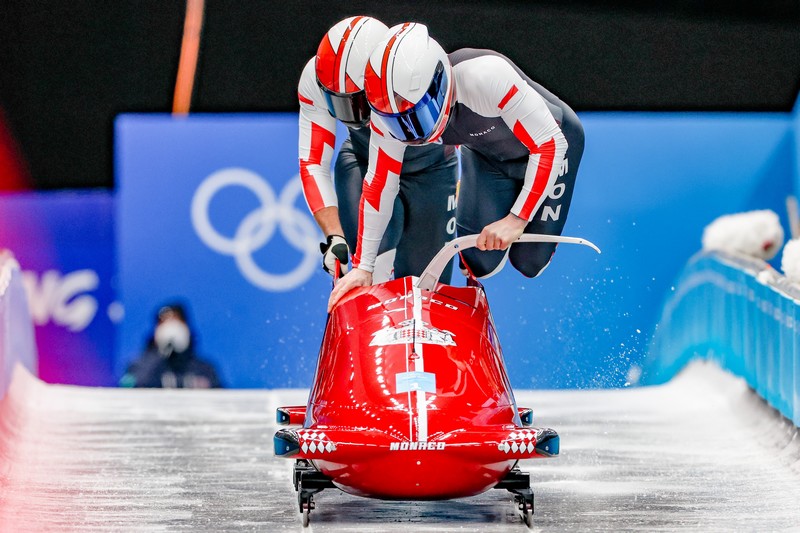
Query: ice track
(702, 453)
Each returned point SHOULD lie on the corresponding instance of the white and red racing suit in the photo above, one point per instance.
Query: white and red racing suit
(422, 217)
(520, 151)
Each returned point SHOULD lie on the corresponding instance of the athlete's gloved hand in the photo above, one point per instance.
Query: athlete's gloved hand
(335, 248)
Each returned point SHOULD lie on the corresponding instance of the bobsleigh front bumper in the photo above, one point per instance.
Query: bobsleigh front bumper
(519, 443)
(371, 463)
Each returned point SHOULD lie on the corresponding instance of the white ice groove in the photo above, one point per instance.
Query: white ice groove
(701, 453)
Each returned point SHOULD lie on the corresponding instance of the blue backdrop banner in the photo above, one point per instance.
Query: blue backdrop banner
(211, 211)
(64, 242)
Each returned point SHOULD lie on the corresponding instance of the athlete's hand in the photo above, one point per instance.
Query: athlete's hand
(354, 278)
(500, 234)
(335, 248)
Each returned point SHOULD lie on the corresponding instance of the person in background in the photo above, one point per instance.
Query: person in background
(169, 360)
(331, 88)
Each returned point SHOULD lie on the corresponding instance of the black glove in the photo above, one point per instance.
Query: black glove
(335, 248)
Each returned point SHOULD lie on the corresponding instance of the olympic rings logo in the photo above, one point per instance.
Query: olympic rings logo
(257, 227)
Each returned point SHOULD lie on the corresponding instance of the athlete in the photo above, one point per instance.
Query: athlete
(520, 149)
(332, 87)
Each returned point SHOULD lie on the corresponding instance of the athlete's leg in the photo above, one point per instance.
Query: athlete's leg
(532, 259)
(485, 196)
(429, 205)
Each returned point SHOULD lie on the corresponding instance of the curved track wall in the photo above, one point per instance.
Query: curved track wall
(741, 313)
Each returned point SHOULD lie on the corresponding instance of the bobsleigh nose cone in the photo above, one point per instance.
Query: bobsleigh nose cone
(547, 443)
(526, 416)
(286, 443)
(282, 416)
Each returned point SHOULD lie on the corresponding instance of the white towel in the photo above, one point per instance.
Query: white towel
(754, 233)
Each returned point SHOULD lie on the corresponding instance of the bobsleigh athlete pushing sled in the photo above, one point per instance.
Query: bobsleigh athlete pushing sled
(411, 400)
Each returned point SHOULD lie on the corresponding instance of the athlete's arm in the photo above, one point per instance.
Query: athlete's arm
(315, 148)
(328, 221)
(526, 114)
(381, 186)
(502, 92)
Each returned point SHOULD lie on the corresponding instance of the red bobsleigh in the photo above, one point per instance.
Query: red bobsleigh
(411, 400)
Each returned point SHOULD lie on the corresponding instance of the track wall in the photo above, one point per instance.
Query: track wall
(741, 313)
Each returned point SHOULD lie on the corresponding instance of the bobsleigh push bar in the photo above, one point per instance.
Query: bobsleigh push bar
(429, 278)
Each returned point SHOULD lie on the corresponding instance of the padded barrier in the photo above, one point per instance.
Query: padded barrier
(740, 313)
(17, 341)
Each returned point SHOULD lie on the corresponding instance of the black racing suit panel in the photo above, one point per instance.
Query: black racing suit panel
(423, 215)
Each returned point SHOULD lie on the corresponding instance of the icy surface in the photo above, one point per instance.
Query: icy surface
(699, 454)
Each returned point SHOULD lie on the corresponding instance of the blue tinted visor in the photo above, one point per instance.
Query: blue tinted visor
(416, 125)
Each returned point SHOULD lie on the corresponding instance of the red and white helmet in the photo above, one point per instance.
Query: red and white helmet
(409, 83)
(341, 57)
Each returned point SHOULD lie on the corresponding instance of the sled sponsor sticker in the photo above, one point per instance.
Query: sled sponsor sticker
(414, 446)
(415, 381)
(412, 331)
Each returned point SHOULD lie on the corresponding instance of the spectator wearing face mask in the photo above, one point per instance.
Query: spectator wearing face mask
(169, 360)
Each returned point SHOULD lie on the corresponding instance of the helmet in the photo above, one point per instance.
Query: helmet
(340, 62)
(409, 83)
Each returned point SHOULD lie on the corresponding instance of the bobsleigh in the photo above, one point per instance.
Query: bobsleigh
(410, 398)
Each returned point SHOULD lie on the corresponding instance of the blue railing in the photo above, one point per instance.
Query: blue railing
(742, 314)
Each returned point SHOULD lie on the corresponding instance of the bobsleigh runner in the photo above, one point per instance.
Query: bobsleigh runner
(410, 400)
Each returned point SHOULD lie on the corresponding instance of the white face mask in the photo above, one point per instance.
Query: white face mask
(172, 336)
